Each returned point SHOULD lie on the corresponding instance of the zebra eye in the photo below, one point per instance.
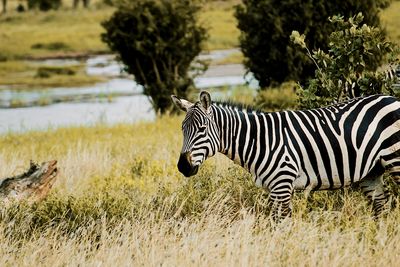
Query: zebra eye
(202, 128)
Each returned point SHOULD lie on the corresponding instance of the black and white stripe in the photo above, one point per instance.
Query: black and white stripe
(325, 148)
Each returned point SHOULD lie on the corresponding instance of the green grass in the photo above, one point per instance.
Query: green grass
(234, 58)
(75, 32)
(277, 98)
(70, 32)
(27, 75)
(222, 26)
(390, 19)
(120, 200)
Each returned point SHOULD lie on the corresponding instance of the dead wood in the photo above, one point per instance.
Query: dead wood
(33, 185)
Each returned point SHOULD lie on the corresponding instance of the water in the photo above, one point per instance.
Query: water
(120, 100)
(128, 109)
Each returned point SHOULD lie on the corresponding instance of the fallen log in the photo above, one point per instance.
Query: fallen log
(33, 185)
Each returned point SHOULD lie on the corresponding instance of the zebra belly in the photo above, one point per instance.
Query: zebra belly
(303, 182)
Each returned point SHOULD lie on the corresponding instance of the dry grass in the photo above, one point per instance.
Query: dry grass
(211, 241)
(119, 200)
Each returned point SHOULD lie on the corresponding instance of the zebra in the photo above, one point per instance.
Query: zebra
(355, 141)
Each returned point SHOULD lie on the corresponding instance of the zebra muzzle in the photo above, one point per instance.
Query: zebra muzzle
(185, 166)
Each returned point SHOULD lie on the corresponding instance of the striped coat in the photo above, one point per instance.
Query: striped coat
(325, 148)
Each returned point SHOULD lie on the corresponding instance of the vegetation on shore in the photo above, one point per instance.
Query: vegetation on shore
(70, 33)
(28, 75)
(77, 32)
(120, 199)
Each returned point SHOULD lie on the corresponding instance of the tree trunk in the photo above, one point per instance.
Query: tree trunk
(76, 2)
(86, 3)
(4, 6)
(33, 185)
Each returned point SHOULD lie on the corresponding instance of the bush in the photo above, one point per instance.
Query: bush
(275, 99)
(349, 67)
(44, 5)
(157, 41)
(47, 72)
(266, 26)
(51, 46)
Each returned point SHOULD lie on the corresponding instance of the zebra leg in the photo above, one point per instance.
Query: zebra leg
(394, 170)
(392, 165)
(373, 187)
(280, 200)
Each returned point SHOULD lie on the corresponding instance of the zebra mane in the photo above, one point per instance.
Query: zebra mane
(235, 105)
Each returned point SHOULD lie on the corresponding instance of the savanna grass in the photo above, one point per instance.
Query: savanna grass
(119, 199)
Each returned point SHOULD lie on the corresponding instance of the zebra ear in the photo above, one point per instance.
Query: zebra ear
(181, 103)
(205, 99)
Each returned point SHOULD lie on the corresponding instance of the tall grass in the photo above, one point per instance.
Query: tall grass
(119, 200)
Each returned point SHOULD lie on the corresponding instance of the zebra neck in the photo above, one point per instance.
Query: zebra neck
(238, 130)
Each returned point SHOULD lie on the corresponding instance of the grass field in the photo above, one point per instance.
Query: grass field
(76, 32)
(69, 32)
(390, 20)
(119, 200)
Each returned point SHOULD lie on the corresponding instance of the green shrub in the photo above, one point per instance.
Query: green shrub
(266, 25)
(51, 46)
(279, 98)
(44, 5)
(349, 67)
(157, 41)
(46, 72)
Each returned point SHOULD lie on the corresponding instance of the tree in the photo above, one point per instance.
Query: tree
(44, 5)
(348, 68)
(157, 42)
(267, 24)
(85, 3)
(4, 6)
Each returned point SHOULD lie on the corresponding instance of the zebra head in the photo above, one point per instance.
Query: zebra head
(200, 133)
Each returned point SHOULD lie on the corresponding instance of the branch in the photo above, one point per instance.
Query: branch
(33, 185)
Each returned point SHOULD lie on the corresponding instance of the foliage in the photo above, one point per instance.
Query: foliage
(51, 46)
(278, 98)
(46, 72)
(266, 25)
(157, 41)
(349, 68)
(44, 5)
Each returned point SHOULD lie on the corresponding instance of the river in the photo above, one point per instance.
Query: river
(119, 100)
